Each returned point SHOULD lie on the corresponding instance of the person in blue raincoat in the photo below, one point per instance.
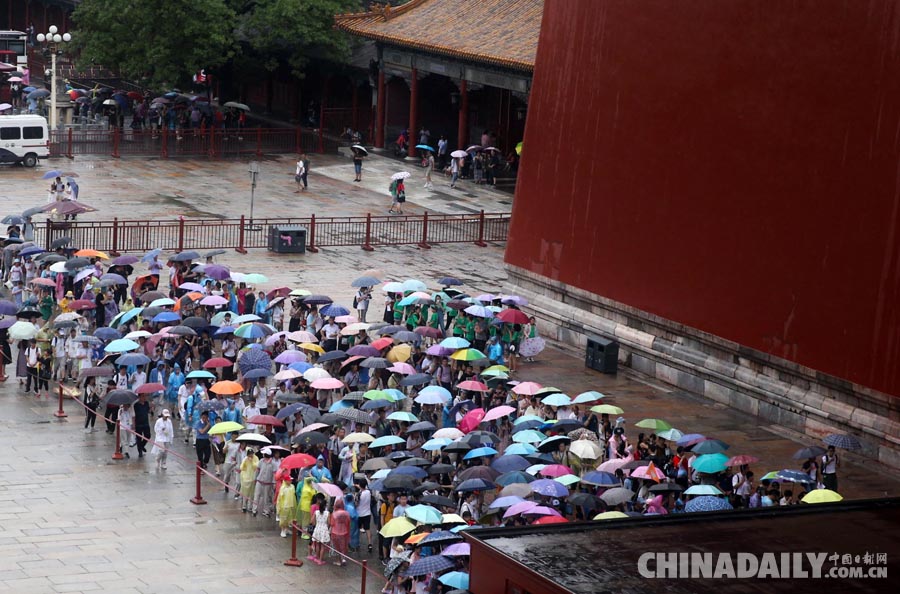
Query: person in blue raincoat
(176, 380)
(350, 507)
(231, 414)
(319, 473)
(158, 374)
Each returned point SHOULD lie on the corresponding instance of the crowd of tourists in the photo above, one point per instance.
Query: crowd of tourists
(372, 434)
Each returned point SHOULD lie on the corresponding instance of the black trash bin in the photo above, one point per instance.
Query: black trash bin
(287, 239)
(602, 354)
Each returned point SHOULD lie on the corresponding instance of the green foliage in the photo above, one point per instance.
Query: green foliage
(162, 43)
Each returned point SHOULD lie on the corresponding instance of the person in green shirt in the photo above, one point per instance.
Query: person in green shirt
(412, 320)
(469, 333)
(459, 324)
(398, 314)
(46, 306)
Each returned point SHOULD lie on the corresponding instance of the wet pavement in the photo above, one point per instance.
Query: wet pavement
(74, 520)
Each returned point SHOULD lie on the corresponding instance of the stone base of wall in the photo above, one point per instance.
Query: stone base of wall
(775, 390)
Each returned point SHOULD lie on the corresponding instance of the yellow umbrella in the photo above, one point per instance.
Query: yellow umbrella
(225, 427)
(399, 353)
(519, 149)
(397, 527)
(502, 368)
(359, 438)
(610, 515)
(822, 496)
(308, 346)
(608, 409)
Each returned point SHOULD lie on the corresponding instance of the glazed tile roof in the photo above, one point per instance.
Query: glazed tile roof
(498, 32)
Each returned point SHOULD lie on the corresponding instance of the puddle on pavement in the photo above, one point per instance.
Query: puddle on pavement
(185, 208)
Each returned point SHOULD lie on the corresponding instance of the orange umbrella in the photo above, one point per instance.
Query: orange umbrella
(415, 538)
(226, 387)
(194, 296)
(86, 253)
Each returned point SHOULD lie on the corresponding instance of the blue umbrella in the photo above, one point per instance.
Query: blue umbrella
(224, 330)
(386, 441)
(510, 463)
(520, 449)
(430, 564)
(477, 484)
(121, 345)
(30, 251)
(339, 405)
(601, 479)
(300, 366)
(165, 317)
(365, 281)
(37, 94)
(455, 342)
(505, 501)
(257, 373)
(375, 404)
(425, 147)
(449, 281)
(148, 257)
(334, 310)
(424, 514)
(706, 503)
(526, 425)
(254, 359)
(843, 441)
(130, 315)
(440, 391)
(132, 359)
(794, 476)
(710, 463)
(514, 476)
(479, 453)
(440, 536)
(549, 487)
(455, 579)
(200, 374)
(104, 333)
(690, 438)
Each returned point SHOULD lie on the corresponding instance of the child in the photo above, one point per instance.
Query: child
(285, 503)
(321, 534)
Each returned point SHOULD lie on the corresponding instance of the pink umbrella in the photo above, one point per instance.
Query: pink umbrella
(44, 282)
(555, 470)
(274, 338)
(742, 460)
(498, 412)
(213, 300)
(519, 508)
(613, 465)
(302, 336)
(401, 367)
(472, 386)
(650, 472)
(346, 319)
(527, 388)
(327, 383)
(471, 421)
(329, 489)
(541, 510)
(439, 351)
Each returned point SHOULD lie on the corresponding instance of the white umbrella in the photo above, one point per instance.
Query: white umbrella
(237, 105)
(254, 438)
(58, 267)
(314, 373)
(459, 154)
(287, 374)
(360, 148)
(400, 175)
(22, 331)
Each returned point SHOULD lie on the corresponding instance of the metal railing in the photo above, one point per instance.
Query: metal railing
(368, 232)
(214, 143)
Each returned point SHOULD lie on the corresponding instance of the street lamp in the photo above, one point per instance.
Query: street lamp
(52, 42)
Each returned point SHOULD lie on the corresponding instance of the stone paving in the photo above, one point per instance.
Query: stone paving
(73, 520)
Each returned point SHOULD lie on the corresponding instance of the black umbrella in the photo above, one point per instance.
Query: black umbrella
(213, 253)
(585, 500)
(28, 313)
(77, 263)
(407, 336)
(195, 322)
(397, 456)
(310, 438)
(50, 257)
(182, 331)
(416, 462)
(185, 256)
(416, 379)
(102, 371)
(400, 481)
(119, 397)
(663, 488)
(421, 426)
(441, 469)
(317, 300)
(481, 437)
(810, 452)
(332, 356)
(438, 501)
(426, 486)
(457, 447)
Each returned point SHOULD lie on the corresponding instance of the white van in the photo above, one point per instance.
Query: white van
(24, 139)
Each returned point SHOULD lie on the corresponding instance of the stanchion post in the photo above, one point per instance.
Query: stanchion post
(69, 150)
(367, 246)
(115, 237)
(180, 234)
(294, 561)
(259, 142)
(424, 243)
(115, 151)
(480, 242)
(240, 248)
(365, 571)
(117, 455)
(312, 235)
(60, 414)
(197, 499)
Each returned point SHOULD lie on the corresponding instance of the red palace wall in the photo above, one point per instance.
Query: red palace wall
(731, 166)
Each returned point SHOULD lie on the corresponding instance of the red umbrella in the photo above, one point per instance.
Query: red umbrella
(351, 360)
(513, 316)
(217, 362)
(150, 388)
(742, 460)
(298, 461)
(279, 292)
(265, 420)
(382, 343)
(135, 95)
(551, 520)
(429, 332)
(471, 421)
(81, 304)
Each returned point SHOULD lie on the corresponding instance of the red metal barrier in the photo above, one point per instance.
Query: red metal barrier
(294, 561)
(197, 499)
(59, 414)
(368, 244)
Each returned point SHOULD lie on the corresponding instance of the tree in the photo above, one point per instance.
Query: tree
(158, 43)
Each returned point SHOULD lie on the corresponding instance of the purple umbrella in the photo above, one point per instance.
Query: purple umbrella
(288, 357)
(254, 359)
(519, 508)
(459, 549)
(217, 272)
(7, 322)
(125, 260)
(550, 488)
(439, 351)
(361, 350)
(541, 510)
(8, 308)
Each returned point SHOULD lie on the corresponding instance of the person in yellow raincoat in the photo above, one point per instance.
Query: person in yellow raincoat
(286, 504)
(305, 492)
(248, 478)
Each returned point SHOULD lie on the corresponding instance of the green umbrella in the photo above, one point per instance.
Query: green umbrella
(654, 424)
(710, 463)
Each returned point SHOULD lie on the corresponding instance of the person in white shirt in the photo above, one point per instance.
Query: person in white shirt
(232, 447)
(163, 436)
(138, 378)
(72, 350)
(31, 362)
(249, 412)
(126, 423)
(59, 355)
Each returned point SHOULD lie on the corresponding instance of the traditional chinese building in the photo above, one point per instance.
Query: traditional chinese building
(717, 190)
(457, 68)
(16, 15)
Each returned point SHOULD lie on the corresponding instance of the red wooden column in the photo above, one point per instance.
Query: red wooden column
(413, 112)
(379, 111)
(463, 129)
